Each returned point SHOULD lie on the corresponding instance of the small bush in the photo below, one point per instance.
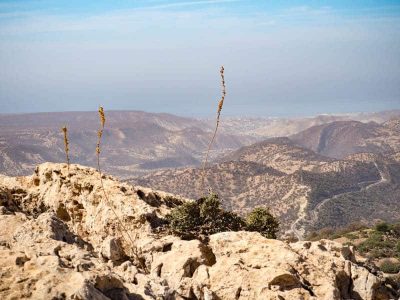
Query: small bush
(185, 218)
(228, 221)
(262, 221)
(375, 240)
(214, 219)
(382, 227)
(390, 267)
(210, 207)
(206, 216)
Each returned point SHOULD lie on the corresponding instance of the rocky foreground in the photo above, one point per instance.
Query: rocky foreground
(60, 239)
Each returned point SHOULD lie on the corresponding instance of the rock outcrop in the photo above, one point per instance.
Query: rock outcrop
(63, 237)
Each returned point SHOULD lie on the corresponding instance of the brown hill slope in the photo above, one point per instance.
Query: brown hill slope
(305, 190)
(134, 142)
(279, 153)
(137, 142)
(340, 139)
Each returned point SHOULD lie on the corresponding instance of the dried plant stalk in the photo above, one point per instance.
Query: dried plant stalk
(66, 144)
(100, 134)
(124, 231)
(219, 109)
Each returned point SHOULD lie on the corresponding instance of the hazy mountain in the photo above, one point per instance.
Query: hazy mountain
(133, 142)
(138, 143)
(276, 127)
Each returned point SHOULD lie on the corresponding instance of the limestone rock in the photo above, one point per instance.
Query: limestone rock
(61, 238)
(112, 250)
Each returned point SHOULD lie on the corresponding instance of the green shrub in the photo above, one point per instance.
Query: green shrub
(390, 267)
(262, 221)
(210, 207)
(206, 216)
(375, 240)
(228, 221)
(185, 218)
(214, 219)
(382, 227)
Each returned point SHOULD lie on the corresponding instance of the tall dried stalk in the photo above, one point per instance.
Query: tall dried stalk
(219, 109)
(66, 144)
(124, 231)
(99, 135)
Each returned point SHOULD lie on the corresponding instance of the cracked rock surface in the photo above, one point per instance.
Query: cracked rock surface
(61, 239)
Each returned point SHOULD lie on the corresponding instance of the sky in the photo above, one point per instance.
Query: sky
(281, 58)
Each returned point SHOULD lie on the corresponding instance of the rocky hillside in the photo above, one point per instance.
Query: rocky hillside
(279, 153)
(305, 190)
(60, 239)
(340, 139)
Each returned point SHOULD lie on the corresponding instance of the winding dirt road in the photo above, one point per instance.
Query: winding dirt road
(299, 232)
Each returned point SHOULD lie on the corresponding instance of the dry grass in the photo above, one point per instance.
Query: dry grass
(219, 109)
(66, 144)
(124, 232)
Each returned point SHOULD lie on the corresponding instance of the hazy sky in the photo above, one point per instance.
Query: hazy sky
(282, 58)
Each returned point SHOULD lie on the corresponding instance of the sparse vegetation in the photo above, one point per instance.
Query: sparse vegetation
(351, 236)
(390, 267)
(325, 185)
(382, 241)
(206, 216)
(334, 233)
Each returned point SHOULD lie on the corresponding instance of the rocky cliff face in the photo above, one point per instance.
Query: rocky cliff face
(60, 238)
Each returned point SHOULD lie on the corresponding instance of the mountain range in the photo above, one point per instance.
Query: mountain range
(137, 142)
(133, 142)
(325, 176)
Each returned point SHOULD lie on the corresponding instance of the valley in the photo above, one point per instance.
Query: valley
(305, 189)
(327, 175)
